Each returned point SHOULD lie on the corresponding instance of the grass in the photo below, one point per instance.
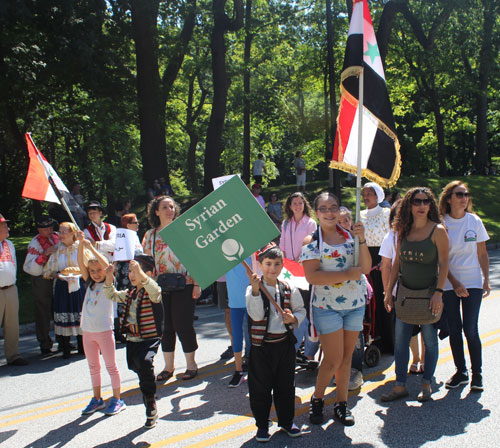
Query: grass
(483, 188)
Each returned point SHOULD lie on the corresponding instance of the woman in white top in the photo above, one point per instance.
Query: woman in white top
(376, 221)
(465, 286)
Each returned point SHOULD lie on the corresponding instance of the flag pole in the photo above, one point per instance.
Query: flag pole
(360, 147)
(53, 184)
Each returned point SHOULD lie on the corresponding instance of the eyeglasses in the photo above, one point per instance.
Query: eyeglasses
(417, 201)
(462, 194)
(333, 209)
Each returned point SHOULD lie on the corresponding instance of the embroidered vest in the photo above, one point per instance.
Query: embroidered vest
(95, 235)
(149, 316)
(258, 328)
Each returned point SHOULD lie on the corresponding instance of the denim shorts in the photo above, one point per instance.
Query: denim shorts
(329, 321)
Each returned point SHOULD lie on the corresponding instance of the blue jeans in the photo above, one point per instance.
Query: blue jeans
(467, 321)
(403, 333)
(239, 326)
(301, 333)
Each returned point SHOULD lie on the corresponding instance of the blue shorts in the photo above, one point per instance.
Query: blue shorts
(329, 321)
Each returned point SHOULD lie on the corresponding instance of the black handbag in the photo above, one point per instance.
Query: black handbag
(171, 282)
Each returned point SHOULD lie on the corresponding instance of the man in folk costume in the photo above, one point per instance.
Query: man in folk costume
(9, 299)
(100, 233)
(40, 248)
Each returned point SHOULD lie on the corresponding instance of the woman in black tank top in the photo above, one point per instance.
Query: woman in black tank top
(422, 260)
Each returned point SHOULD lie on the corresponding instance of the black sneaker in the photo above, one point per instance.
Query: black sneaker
(456, 380)
(476, 382)
(227, 354)
(292, 431)
(262, 435)
(237, 379)
(343, 414)
(316, 411)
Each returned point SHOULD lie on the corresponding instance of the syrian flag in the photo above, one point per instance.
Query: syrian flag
(380, 160)
(37, 185)
(293, 274)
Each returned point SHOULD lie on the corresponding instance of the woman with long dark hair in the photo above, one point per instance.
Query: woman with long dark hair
(178, 306)
(465, 286)
(421, 262)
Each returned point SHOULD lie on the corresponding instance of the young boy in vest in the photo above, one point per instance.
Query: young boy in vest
(100, 233)
(272, 357)
(142, 323)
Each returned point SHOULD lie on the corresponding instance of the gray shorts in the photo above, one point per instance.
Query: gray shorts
(223, 299)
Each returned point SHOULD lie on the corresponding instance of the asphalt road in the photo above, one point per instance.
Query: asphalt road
(40, 404)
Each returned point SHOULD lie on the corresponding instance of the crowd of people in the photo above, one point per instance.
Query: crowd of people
(414, 245)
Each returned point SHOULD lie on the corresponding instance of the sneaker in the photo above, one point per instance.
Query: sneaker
(456, 380)
(343, 414)
(262, 435)
(18, 362)
(477, 381)
(151, 411)
(292, 431)
(115, 406)
(237, 379)
(151, 421)
(93, 406)
(356, 379)
(316, 411)
(227, 354)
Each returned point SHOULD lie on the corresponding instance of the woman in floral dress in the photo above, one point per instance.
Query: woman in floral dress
(178, 306)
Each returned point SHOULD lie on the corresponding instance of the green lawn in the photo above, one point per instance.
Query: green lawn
(483, 188)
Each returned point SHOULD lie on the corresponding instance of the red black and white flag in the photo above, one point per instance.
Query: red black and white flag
(380, 160)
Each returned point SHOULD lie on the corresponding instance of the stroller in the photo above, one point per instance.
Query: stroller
(372, 353)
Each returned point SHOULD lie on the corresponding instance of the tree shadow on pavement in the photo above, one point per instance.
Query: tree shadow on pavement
(4, 436)
(127, 440)
(410, 424)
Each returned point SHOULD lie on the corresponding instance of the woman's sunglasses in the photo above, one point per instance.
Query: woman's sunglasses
(417, 201)
(462, 194)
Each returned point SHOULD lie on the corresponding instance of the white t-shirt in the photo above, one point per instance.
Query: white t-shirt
(388, 250)
(97, 310)
(464, 234)
(258, 166)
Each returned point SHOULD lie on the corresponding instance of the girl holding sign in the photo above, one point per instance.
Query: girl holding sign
(178, 304)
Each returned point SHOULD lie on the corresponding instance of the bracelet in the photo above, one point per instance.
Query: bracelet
(438, 290)
(362, 242)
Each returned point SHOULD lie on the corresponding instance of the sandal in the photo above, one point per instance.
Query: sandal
(189, 374)
(414, 369)
(394, 395)
(164, 376)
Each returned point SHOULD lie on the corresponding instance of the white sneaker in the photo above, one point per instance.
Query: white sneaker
(356, 379)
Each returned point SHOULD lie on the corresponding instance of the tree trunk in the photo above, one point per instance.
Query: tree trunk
(246, 93)
(149, 93)
(220, 85)
(485, 56)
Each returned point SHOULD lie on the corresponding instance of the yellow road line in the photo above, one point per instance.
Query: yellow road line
(302, 410)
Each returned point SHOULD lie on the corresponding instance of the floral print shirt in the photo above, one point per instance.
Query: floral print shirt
(376, 222)
(339, 296)
(165, 260)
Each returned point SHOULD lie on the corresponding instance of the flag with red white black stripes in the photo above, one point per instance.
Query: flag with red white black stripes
(380, 159)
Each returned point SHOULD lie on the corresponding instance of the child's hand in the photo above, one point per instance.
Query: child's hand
(110, 269)
(358, 230)
(135, 268)
(255, 282)
(288, 317)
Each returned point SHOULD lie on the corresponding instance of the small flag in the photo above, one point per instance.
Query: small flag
(37, 185)
(293, 274)
(380, 160)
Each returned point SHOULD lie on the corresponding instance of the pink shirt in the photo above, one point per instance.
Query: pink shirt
(293, 234)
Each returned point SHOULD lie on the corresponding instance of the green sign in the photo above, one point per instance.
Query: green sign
(219, 232)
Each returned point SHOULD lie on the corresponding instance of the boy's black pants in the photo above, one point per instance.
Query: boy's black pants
(140, 356)
(271, 373)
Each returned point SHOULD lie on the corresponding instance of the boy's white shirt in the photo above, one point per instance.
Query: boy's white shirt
(255, 308)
